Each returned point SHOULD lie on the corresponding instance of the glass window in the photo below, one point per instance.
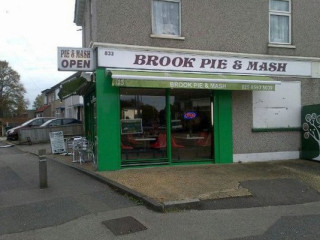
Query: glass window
(191, 125)
(280, 21)
(143, 125)
(68, 121)
(56, 122)
(166, 17)
(36, 122)
(279, 5)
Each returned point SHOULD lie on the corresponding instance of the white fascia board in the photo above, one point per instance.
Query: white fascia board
(202, 52)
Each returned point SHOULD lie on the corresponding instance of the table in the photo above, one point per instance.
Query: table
(145, 140)
(190, 138)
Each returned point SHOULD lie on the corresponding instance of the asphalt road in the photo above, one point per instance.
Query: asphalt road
(75, 206)
(70, 194)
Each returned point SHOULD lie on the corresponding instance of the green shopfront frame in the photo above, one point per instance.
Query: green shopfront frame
(109, 127)
(122, 67)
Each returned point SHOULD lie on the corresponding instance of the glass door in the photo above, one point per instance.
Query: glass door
(143, 126)
(191, 125)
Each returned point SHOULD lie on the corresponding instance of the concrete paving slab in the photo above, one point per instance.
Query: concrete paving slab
(158, 186)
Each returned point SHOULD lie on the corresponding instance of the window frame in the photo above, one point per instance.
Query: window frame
(153, 34)
(281, 13)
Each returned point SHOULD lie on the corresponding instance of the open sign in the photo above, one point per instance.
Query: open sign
(189, 115)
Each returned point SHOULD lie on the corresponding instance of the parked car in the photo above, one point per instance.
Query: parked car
(12, 134)
(61, 122)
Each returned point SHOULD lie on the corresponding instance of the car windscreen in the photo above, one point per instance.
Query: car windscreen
(27, 122)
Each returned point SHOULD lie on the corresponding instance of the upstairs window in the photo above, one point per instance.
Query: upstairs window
(166, 17)
(280, 21)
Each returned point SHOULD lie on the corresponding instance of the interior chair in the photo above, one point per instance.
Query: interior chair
(205, 141)
(160, 144)
(126, 149)
(174, 144)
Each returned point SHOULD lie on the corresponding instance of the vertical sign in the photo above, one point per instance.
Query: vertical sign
(57, 142)
(76, 59)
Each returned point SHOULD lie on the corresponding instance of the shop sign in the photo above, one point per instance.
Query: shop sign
(189, 115)
(169, 61)
(76, 59)
(192, 85)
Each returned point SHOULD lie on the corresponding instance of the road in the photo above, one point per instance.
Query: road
(76, 206)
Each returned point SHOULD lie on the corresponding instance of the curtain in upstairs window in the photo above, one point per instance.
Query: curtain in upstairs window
(166, 17)
(279, 29)
(277, 5)
(280, 14)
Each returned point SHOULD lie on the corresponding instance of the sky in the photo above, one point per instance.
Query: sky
(30, 32)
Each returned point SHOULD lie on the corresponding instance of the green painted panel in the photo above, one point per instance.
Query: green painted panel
(310, 137)
(223, 143)
(191, 85)
(108, 123)
(123, 78)
(276, 129)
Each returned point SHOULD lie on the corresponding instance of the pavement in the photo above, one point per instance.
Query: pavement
(209, 186)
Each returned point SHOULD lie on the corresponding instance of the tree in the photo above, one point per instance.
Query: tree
(12, 101)
(38, 102)
(311, 128)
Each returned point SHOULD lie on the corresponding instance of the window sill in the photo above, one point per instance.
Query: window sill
(167, 37)
(290, 129)
(275, 45)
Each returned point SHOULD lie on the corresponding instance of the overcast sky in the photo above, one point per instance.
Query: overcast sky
(30, 32)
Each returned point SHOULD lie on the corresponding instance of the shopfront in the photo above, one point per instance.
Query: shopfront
(157, 126)
(165, 107)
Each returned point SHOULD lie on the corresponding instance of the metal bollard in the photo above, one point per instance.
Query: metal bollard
(43, 177)
(42, 152)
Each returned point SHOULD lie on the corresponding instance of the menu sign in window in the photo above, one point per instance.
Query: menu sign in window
(131, 126)
(57, 142)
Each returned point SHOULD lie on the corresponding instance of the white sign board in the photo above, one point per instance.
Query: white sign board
(278, 109)
(57, 142)
(169, 61)
(76, 59)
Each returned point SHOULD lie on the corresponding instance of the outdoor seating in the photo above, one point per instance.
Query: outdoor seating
(80, 146)
(69, 144)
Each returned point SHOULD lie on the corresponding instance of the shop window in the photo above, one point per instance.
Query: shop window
(279, 109)
(191, 125)
(280, 21)
(143, 126)
(166, 16)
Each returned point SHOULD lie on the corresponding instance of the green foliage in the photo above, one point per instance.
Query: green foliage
(38, 102)
(12, 101)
